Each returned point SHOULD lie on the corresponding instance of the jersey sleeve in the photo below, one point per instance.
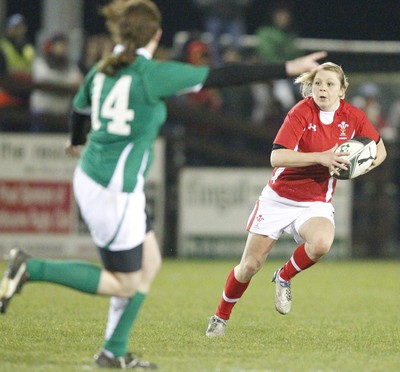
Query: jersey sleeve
(291, 130)
(171, 78)
(82, 98)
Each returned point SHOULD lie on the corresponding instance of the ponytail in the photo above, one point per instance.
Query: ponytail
(119, 58)
(132, 23)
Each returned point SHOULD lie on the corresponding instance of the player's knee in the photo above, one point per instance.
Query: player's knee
(148, 276)
(128, 290)
(320, 247)
(128, 285)
(249, 268)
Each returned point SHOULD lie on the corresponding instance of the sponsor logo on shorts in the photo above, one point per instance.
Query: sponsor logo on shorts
(258, 219)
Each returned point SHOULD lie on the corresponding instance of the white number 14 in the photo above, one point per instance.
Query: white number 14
(115, 107)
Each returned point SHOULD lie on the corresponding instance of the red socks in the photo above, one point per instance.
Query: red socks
(232, 292)
(298, 262)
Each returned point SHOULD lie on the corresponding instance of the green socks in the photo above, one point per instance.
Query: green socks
(85, 277)
(82, 276)
(118, 342)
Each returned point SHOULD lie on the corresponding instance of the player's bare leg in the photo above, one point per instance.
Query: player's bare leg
(151, 262)
(318, 233)
(254, 255)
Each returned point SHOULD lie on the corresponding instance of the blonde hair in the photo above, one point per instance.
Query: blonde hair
(307, 78)
(132, 24)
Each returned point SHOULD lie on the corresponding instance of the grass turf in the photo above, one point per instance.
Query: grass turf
(345, 317)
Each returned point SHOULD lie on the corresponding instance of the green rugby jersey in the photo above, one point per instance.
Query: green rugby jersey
(127, 111)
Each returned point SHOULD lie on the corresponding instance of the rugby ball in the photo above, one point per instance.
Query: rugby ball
(362, 153)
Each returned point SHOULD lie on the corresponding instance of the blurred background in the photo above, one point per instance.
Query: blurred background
(212, 156)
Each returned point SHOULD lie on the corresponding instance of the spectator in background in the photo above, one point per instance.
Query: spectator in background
(277, 37)
(197, 52)
(54, 69)
(277, 43)
(224, 17)
(236, 100)
(368, 99)
(96, 47)
(265, 109)
(16, 57)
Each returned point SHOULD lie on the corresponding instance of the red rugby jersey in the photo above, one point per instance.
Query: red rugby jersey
(302, 130)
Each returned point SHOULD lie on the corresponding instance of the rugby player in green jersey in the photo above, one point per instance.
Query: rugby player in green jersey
(125, 95)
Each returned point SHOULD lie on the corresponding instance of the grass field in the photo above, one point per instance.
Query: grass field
(345, 317)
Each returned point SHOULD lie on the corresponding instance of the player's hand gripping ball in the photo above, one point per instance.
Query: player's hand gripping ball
(362, 153)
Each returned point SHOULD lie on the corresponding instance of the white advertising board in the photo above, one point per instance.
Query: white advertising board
(37, 207)
(215, 203)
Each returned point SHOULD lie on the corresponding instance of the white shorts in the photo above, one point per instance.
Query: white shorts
(116, 220)
(273, 215)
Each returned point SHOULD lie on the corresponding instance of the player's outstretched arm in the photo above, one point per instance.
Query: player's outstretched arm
(246, 73)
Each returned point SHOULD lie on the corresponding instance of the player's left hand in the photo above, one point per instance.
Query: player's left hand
(72, 150)
(303, 64)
